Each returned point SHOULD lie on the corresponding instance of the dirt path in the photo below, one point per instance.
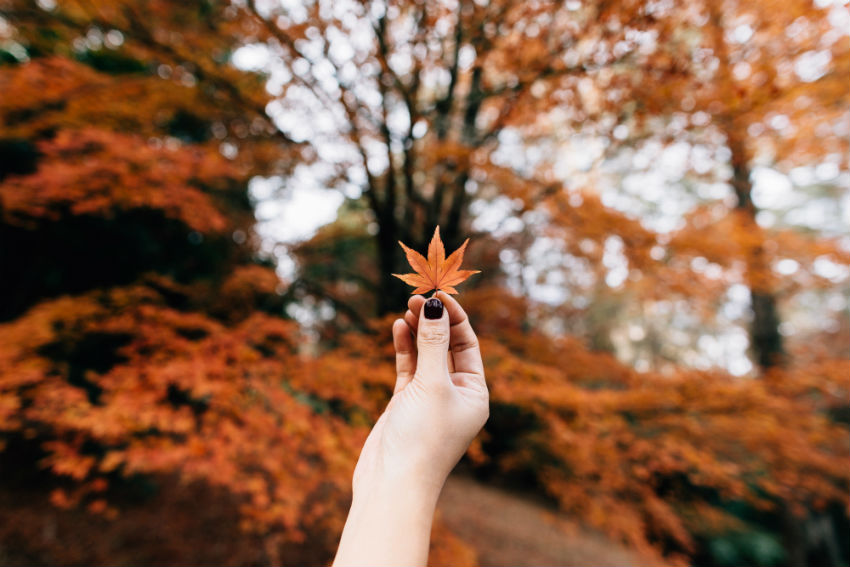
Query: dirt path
(507, 529)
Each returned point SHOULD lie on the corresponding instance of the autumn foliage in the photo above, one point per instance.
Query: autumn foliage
(655, 460)
(436, 272)
(157, 394)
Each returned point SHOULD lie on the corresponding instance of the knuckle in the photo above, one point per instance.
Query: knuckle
(466, 344)
(433, 335)
(440, 389)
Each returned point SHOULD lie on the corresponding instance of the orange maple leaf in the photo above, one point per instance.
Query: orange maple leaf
(437, 272)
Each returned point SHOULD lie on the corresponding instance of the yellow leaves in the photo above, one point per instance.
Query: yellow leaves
(436, 272)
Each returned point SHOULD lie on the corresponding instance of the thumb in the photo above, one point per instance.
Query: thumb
(432, 342)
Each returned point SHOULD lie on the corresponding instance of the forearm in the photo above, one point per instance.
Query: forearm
(389, 524)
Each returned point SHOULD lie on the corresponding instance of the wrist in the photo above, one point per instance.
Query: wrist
(421, 490)
(389, 522)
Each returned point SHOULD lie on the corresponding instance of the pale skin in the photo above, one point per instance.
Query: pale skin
(440, 402)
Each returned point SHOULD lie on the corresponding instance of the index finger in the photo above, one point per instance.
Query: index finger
(462, 342)
(411, 317)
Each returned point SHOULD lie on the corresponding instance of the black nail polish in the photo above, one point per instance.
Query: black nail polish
(433, 308)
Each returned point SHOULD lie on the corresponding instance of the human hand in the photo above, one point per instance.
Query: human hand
(439, 404)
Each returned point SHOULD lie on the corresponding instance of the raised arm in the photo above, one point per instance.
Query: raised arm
(439, 404)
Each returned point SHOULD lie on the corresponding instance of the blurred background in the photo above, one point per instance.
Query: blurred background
(200, 204)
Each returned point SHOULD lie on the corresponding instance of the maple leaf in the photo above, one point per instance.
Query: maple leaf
(436, 272)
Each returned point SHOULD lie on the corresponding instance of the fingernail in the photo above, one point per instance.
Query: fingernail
(433, 308)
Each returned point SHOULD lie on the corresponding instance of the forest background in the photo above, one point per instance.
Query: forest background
(200, 204)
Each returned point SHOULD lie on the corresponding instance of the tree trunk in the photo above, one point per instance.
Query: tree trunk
(397, 212)
(392, 297)
(765, 339)
(767, 342)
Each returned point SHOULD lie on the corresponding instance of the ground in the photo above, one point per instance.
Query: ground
(508, 528)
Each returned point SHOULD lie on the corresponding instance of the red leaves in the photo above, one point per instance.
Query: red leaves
(437, 271)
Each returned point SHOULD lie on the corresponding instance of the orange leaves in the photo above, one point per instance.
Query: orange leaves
(633, 454)
(180, 395)
(95, 172)
(436, 272)
(185, 383)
